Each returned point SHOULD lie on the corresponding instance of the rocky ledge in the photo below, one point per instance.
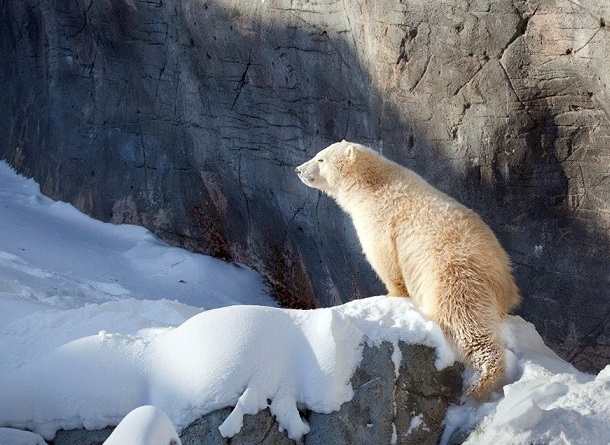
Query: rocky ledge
(405, 407)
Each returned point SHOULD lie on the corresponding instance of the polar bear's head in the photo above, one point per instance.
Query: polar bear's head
(327, 169)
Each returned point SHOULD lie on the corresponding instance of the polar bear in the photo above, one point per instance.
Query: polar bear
(427, 246)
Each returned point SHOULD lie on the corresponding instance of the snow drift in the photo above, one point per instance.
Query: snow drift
(247, 357)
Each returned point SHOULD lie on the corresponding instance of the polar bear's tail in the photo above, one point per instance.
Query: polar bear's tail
(480, 345)
(488, 360)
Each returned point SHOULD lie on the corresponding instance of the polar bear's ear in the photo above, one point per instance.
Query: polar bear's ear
(351, 153)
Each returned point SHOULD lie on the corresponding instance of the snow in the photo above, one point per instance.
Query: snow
(548, 401)
(145, 425)
(103, 325)
(416, 422)
(51, 255)
(17, 437)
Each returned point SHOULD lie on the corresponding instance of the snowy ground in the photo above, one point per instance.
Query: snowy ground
(98, 320)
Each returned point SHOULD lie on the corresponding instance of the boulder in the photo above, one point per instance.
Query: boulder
(259, 429)
(188, 117)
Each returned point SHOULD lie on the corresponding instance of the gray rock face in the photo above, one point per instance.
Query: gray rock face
(81, 437)
(259, 429)
(188, 117)
(412, 405)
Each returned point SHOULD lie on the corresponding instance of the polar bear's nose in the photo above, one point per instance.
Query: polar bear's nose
(297, 170)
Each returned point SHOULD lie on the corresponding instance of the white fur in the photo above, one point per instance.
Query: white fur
(424, 244)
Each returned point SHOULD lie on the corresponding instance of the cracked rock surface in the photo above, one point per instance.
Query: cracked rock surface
(188, 117)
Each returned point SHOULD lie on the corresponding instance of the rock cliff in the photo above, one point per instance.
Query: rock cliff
(188, 117)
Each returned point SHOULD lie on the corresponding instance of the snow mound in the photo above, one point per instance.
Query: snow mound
(17, 437)
(52, 255)
(548, 402)
(146, 425)
(246, 357)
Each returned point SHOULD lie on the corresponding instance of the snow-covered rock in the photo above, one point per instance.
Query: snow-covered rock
(247, 357)
(146, 425)
(381, 410)
(405, 407)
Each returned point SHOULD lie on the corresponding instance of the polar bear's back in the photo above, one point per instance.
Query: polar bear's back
(437, 238)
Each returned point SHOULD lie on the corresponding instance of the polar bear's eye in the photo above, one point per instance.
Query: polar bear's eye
(320, 160)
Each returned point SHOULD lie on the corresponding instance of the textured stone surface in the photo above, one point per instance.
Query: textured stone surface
(384, 404)
(188, 117)
(258, 429)
(81, 437)
(423, 393)
(369, 416)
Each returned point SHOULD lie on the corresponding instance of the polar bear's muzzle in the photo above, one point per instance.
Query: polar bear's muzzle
(304, 176)
(312, 175)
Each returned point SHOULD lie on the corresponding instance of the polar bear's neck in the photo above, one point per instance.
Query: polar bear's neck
(379, 182)
(374, 182)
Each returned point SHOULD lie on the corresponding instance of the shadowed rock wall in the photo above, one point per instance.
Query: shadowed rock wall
(188, 117)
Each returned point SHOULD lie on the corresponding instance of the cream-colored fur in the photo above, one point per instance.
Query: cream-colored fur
(425, 245)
